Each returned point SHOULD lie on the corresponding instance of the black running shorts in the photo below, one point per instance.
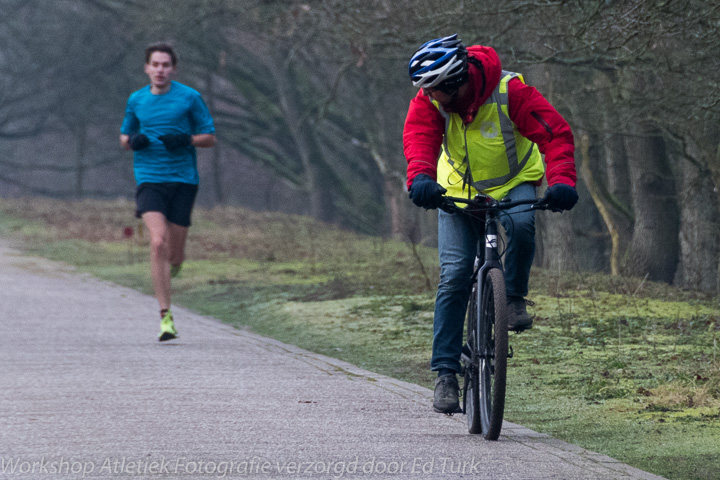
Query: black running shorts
(174, 200)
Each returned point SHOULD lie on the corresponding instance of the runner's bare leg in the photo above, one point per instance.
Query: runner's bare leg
(158, 228)
(177, 239)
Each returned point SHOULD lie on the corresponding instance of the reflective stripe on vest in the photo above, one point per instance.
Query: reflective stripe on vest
(498, 101)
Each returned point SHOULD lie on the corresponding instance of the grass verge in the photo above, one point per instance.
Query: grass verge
(620, 366)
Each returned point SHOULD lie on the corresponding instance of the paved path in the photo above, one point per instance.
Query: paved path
(87, 392)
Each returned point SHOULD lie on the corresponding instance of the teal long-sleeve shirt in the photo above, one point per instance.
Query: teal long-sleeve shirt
(179, 110)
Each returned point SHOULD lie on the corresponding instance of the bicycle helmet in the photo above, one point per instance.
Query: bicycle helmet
(440, 63)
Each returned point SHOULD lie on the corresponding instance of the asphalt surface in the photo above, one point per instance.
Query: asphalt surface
(87, 391)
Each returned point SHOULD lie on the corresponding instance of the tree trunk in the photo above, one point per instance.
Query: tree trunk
(654, 246)
(698, 230)
(604, 169)
(716, 181)
(393, 183)
(81, 139)
(616, 193)
(317, 179)
(700, 227)
(217, 171)
(601, 203)
(556, 241)
(576, 239)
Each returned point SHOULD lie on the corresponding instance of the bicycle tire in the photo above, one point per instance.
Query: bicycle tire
(471, 385)
(492, 365)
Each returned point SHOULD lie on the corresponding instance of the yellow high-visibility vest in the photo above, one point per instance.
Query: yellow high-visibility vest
(489, 155)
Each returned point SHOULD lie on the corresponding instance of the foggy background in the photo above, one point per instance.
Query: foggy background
(309, 100)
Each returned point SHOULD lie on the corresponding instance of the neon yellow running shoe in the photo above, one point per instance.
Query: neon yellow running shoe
(167, 328)
(175, 270)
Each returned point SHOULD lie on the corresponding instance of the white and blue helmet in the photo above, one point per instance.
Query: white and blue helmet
(440, 63)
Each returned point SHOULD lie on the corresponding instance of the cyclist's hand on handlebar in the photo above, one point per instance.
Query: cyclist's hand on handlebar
(560, 197)
(426, 192)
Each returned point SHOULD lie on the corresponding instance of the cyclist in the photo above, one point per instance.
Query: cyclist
(472, 128)
(163, 124)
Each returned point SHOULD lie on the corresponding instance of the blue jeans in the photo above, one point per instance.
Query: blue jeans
(457, 246)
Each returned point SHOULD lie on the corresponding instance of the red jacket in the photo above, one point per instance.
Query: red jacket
(533, 115)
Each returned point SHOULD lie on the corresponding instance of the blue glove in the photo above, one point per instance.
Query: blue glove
(426, 192)
(561, 197)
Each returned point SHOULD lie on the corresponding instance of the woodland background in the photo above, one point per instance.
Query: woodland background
(309, 100)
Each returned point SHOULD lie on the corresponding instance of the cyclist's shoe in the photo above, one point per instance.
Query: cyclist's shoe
(175, 270)
(518, 317)
(446, 394)
(167, 328)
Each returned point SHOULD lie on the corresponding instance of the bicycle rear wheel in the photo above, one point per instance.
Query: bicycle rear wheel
(493, 351)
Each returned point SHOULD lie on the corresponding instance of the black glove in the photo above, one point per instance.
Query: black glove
(138, 141)
(173, 141)
(426, 192)
(561, 197)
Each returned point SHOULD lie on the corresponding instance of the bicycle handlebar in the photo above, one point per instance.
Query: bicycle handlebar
(485, 202)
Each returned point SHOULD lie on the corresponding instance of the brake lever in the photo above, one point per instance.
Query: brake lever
(449, 207)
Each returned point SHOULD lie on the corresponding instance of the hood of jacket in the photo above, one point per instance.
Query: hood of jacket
(484, 69)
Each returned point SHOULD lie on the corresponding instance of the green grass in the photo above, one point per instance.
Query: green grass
(620, 366)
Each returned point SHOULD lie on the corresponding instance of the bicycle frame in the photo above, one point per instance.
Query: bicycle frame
(487, 253)
(479, 356)
(491, 256)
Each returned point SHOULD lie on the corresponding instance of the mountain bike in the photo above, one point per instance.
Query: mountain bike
(485, 353)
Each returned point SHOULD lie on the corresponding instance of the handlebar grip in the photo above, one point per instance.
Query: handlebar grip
(543, 205)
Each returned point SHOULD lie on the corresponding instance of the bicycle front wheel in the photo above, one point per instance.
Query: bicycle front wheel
(470, 357)
(493, 351)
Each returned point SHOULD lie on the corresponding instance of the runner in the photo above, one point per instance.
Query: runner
(163, 124)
